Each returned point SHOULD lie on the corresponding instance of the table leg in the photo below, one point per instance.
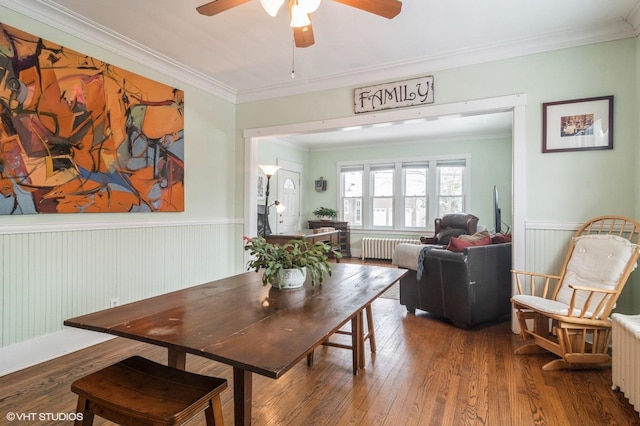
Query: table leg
(370, 330)
(242, 390)
(361, 349)
(357, 343)
(177, 359)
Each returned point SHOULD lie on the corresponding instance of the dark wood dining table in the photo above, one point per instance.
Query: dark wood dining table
(251, 327)
(310, 235)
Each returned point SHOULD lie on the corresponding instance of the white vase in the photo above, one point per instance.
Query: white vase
(290, 278)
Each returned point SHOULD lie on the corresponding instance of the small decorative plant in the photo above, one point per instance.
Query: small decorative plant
(295, 254)
(325, 212)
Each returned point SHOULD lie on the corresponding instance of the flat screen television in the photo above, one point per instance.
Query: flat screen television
(497, 217)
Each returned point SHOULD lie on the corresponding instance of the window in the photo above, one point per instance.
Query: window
(351, 184)
(382, 195)
(372, 193)
(415, 195)
(289, 184)
(450, 191)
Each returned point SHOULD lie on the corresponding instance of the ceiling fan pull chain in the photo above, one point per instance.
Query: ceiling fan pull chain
(293, 51)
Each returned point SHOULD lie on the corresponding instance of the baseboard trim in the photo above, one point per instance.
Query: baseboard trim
(45, 348)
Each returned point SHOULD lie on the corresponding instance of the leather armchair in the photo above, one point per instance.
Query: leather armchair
(466, 288)
(452, 225)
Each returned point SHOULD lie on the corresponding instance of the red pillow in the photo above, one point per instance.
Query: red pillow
(457, 245)
(501, 238)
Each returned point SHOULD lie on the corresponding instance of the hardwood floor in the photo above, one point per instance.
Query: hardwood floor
(426, 372)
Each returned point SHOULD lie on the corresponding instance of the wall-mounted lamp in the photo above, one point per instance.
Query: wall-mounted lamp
(280, 208)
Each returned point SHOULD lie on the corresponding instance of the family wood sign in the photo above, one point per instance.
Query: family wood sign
(400, 94)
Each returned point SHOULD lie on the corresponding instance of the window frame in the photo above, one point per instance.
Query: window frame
(402, 198)
(355, 167)
(398, 198)
(382, 167)
(466, 189)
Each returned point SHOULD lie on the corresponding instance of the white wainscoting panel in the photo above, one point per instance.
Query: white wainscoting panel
(546, 249)
(49, 276)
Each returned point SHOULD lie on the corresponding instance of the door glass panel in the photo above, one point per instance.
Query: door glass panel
(289, 184)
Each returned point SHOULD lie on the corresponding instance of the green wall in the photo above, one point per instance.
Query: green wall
(559, 187)
(490, 164)
(569, 187)
(63, 265)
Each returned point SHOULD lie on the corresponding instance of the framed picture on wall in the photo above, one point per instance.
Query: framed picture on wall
(577, 125)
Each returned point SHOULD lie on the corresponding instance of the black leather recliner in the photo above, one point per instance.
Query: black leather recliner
(467, 288)
(452, 225)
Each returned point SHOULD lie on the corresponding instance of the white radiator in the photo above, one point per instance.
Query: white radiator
(625, 367)
(382, 248)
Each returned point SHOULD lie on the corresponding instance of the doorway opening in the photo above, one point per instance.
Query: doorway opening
(513, 104)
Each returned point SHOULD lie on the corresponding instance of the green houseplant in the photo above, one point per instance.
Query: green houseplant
(327, 212)
(277, 259)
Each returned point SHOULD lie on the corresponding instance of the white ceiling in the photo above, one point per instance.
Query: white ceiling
(494, 125)
(248, 54)
(243, 54)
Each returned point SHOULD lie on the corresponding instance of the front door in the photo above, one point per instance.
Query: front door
(289, 195)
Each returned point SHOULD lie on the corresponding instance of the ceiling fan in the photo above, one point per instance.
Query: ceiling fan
(300, 12)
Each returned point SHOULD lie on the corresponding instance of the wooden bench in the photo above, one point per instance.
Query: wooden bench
(137, 391)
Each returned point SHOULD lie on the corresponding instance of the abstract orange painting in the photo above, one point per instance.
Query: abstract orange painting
(78, 135)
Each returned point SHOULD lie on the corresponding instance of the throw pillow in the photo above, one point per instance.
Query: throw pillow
(501, 238)
(458, 245)
(475, 237)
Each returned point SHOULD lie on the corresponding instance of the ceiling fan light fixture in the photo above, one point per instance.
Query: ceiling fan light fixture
(309, 6)
(299, 17)
(271, 6)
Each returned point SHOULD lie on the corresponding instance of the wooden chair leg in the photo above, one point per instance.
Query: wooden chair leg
(358, 355)
(87, 415)
(213, 413)
(370, 330)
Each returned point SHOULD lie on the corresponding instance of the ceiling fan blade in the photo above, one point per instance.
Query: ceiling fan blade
(385, 8)
(217, 6)
(303, 36)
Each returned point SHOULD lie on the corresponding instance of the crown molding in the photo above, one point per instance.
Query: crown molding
(65, 20)
(634, 18)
